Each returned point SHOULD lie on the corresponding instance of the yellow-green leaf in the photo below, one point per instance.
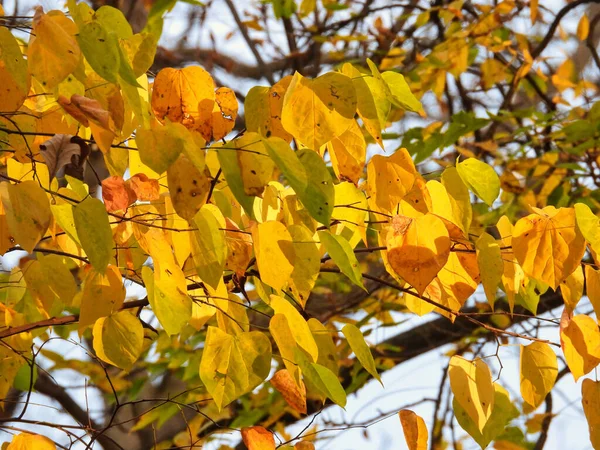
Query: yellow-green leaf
(491, 266)
(94, 232)
(308, 175)
(27, 212)
(471, 384)
(503, 412)
(14, 77)
(361, 349)
(589, 225)
(341, 252)
(480, 178)
(300, 329)
(118, 339)
(397, 89)
(210, 254)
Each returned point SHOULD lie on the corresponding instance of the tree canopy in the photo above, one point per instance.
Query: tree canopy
(208, 230)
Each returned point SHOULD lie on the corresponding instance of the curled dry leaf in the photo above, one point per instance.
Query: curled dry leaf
(86, 110)
(65, 151)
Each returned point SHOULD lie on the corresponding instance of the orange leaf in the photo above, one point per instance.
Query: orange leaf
(117, 194)
(258, 438)
(287, 387)
(145, 189)
(415, 431)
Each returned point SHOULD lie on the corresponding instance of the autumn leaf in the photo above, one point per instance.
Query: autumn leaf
(258, 438)
(415, 430)
(548, 245)
(417, 249)
(294, 395)
(539, 368)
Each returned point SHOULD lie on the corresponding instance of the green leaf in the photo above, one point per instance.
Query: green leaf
(118, 339)
(480, 178)
(94, 232)
(504, 411)
(231, 171)
(361, 349)
(101, 49)
(323, 379)
(23, 381)
(308, 175)
(341, 253)
(211, 253)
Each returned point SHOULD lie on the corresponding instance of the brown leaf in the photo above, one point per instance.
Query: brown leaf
(117, 194)
(287, 387)
(65, 151)
(145, 189)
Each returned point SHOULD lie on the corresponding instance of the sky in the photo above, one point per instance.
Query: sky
(406, 384)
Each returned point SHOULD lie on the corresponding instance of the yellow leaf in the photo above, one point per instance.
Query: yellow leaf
(27, 441)
(583, 27)
(304, 276)
(389, 179)
(294, 395)
(209, 249)
(580, 342)
(472, 386)
(282, 335)
(512, 274)
(417, 249)
(459, 198)
(548, 244)
(118, 339)
(397, 89)
(533, 10)
(415, 430)
(231, 366)
(348, 153)
(263, 107)
(239, 248)
(14, 77)
(274, 253)
(538, 369)
(300, 329)
(489, 259)
(53, 53)
(188, 186)
(167, 293)
(590, 393)
(258, 438)
(256, 167)
(592, 285)
(572, 289)
(328, 355)
(27, 212)
(589, 225)
(103, 294)
(315, 111)
(372, 101)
